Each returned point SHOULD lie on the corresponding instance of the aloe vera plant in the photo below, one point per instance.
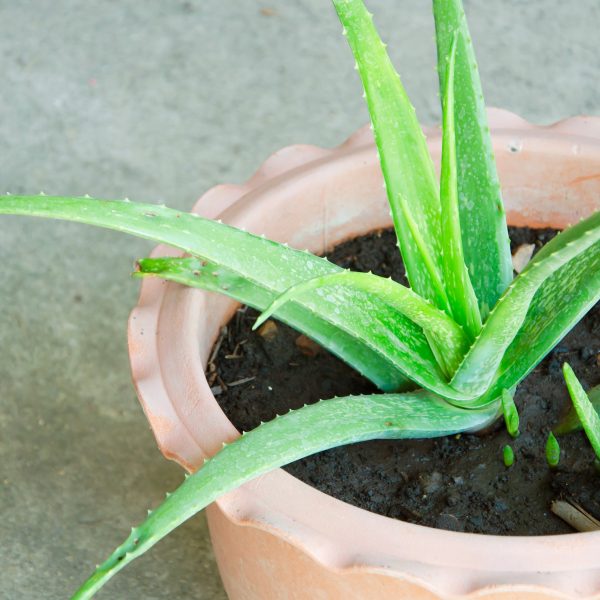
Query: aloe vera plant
(446, 352)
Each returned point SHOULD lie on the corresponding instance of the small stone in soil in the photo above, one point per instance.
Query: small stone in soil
(268, 330)
(307, 346)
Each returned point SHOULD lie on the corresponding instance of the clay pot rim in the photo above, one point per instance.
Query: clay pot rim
(253, 504)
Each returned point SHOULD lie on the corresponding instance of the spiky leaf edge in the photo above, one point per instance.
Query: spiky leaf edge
(407, 167)
(479, 368)
(299, 433)
(461, 296)
(570, 422)
(385, 331)
(197, 273)
(440, 329)
(483, 221)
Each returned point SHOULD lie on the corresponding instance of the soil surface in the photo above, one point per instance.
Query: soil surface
(458, 483)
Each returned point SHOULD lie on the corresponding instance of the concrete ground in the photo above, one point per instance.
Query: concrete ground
(159, 101)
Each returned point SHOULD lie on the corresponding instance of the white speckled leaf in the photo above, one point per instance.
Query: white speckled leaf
(197, 273)
(560, 303)
(448, 340)
(405, 161)
(461, 296)
(483, 221)
(535, 312)
(288, 438)
(388, 334)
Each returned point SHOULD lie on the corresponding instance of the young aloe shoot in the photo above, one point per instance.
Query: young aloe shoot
(511, 415)
(508, 456)
(463, 333)
(585, 409)
(552, 451)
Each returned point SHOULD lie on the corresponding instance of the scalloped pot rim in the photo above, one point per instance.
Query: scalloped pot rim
(550, 177)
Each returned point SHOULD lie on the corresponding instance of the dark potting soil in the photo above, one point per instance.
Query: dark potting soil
(458, 482)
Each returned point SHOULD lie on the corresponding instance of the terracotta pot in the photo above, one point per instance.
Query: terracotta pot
(277, 537)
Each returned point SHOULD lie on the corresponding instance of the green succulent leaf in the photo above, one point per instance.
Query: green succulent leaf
(284, 440)
(511, 414)
(560, 303)
(570, 422)
(437, 325)
(483, 222)
(552, 451)
(405, 161)
(387, 333)
(463, 302)
(198, 273)
(481, 364)
(586, 412)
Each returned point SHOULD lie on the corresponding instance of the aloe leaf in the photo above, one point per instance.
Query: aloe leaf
(435, 323)
(560, 303)
(372, 317)
(405, 161)
(483, 222)
(570, 422)
(198, 273)
(511, 414)
(387, 333)
(585, 409)
(479, 368)
(463, 302)
(282, 441)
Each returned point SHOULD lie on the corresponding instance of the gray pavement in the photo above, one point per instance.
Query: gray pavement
(160, 100)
